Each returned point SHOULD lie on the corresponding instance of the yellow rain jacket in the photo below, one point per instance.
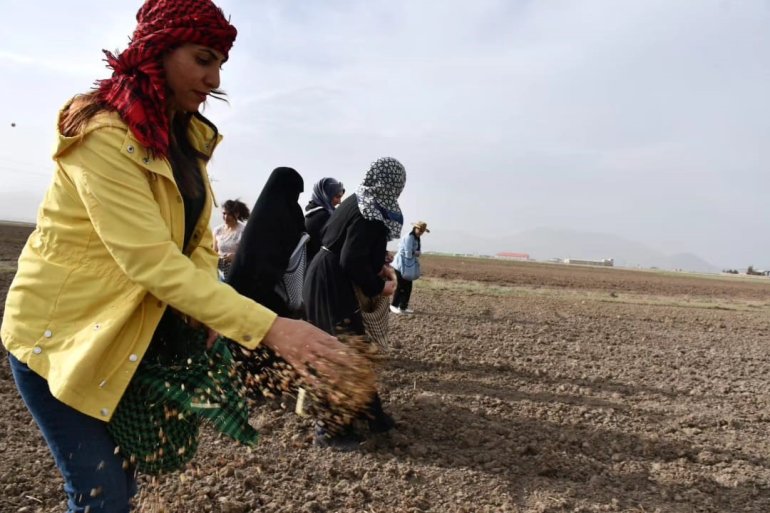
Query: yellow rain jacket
(104, 262)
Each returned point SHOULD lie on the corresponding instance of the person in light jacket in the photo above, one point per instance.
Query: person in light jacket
(122, 251)
(407, 266)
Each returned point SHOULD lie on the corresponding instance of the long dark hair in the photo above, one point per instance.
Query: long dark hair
(184, 157)
(78, 112)
(236, 208)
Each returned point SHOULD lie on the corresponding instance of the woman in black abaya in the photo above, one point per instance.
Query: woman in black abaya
(271, 234)
(353, 255)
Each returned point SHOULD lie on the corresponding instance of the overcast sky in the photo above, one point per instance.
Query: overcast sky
(648, 119)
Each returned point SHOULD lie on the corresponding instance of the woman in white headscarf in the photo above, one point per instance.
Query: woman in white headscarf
(353, 255)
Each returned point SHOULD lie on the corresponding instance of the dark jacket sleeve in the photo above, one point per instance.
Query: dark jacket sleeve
(363, 255)
(314, 225)
(315, 222)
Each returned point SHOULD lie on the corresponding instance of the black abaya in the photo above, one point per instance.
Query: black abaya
(272, 232)
(355, 255)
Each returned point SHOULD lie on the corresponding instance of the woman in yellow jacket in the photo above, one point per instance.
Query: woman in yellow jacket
(122, 246)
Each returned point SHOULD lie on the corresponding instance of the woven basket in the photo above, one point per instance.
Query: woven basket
(375, 312)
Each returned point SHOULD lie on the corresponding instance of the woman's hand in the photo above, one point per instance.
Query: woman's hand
(388, 274)
(212, 337)
(389, 289)
(304, 346)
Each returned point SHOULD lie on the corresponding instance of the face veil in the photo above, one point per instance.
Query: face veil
(378, 194)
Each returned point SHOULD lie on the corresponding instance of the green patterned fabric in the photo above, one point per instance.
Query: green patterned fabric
(157, 422)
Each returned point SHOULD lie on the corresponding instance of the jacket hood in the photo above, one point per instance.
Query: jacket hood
(203, 136)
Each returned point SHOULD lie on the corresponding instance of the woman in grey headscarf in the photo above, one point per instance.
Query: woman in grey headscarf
(327, 194)
(353, 255)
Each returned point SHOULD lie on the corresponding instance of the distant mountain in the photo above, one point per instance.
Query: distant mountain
(690, 262)
(547, 243)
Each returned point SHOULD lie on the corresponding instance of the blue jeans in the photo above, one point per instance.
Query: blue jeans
(94, 478)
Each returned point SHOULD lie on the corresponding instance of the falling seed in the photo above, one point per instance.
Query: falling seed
(331, 401)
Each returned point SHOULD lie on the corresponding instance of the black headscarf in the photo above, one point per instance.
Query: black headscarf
(272, 232)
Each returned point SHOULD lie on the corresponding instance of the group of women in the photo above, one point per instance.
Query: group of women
(117, 290)
(347, 252)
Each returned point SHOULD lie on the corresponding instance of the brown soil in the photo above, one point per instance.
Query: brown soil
(518, 388)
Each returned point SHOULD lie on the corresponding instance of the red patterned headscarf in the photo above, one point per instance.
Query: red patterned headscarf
(137, 88)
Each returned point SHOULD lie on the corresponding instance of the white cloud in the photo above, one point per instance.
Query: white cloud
(647, 117)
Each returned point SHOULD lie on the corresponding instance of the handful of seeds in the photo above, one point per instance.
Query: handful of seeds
(334, 398)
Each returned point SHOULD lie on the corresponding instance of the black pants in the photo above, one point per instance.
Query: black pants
(403, 292)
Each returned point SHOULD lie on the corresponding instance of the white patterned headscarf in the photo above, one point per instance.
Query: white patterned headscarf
(378, 194)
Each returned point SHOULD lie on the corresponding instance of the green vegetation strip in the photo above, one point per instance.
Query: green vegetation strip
(603, 296)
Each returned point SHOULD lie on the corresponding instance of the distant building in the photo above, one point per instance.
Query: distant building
(605, 262)
(505, 255)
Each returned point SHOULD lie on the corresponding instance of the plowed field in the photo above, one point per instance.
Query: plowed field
(517, 387)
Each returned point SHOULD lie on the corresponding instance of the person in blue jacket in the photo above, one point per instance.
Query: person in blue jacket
(407, 266)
